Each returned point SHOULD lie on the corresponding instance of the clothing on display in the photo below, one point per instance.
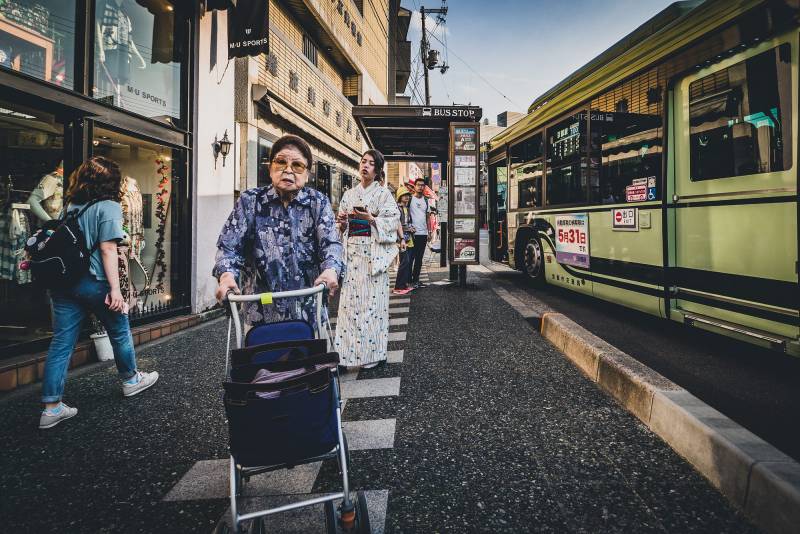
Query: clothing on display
(133, 216)
(47, 200)
(15, 228)
(116, 45)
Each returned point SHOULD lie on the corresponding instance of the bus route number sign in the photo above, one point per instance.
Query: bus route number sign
(572, 239)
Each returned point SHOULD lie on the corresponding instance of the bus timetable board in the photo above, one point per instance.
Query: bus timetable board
(463, 193)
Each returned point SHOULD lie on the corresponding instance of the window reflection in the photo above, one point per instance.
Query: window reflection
(566, 161)
(737, 117)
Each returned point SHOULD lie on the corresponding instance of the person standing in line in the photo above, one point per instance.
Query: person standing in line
(405, 243)
(368, 219)
(94, 191)
(419, 210)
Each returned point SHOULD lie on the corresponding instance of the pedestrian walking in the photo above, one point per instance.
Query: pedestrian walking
(93, 194)
(280, 237)
(368, 219)
(419, 209)
(405, 243)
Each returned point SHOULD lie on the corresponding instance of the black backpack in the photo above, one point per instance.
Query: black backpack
(58, 254)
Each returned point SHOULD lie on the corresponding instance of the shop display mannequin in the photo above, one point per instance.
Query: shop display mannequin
(47, 199)
(115, 45)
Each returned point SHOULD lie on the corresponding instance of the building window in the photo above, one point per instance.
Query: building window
(31, 159)
(740, 118)
(312, 96)
(627, 139)
(37, 38)
(140, 56)
(310, 49)
(262, 174)
(566, 161)
(272, 64)
(294, 81)
(326, 108)
(151, 210)
(338, 118)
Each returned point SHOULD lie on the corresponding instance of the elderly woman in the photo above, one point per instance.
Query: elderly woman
(280, 237)
(368, 218)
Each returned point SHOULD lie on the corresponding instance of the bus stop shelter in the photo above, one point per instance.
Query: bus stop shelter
(416, 133)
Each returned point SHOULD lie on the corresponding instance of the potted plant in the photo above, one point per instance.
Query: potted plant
(102, 344)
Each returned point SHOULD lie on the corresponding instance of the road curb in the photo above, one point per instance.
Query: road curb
(751, 473)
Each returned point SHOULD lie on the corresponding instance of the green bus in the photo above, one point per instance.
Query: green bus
(663, 174)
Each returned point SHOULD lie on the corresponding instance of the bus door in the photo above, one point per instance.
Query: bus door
(732, 206)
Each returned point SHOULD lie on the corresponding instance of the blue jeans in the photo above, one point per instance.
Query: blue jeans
(69, 310)
(404, 270)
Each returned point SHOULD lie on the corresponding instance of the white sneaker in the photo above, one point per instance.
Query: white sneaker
(51, 418)
(144, 381)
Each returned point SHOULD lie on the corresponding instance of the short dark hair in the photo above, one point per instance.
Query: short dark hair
(380, 160)
(97, 178)
(298, 143)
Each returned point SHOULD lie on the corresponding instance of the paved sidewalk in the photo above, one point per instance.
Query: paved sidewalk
(476, 424)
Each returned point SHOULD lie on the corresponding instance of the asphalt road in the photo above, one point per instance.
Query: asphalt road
(495, 432)
(757, 388)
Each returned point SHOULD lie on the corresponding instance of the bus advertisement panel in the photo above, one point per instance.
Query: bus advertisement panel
(572, 239)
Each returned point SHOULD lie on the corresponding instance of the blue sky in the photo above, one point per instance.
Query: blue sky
(521, 47)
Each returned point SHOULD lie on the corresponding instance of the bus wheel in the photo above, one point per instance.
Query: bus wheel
(533, 258)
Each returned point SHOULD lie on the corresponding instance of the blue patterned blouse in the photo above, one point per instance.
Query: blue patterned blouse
(269, 247)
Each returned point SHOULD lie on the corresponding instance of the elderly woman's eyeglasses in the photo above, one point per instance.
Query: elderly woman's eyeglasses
(297, 167)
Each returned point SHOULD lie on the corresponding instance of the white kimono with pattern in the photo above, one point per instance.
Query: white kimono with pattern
(362, 326)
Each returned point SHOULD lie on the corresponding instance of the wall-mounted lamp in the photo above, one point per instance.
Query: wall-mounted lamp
(222, 146)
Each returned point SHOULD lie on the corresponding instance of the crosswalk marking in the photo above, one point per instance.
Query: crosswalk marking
(208, 479)
(397, 310)
(399, 299)
(397, 336)
(373, 387)
(398, 321)
(370, 434)
(394, 356)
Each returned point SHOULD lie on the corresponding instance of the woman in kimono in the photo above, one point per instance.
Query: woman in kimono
(368, 218)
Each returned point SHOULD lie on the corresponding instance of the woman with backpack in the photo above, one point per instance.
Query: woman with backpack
(93, 195)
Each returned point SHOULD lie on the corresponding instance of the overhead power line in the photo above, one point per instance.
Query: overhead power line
(476, 72)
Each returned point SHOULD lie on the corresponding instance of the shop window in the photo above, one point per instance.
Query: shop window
(264, 147)
(37, 38)
(740, 118)
(566, 161)
(153, 260)
(626, 141)
(139, 56)
(31, 192)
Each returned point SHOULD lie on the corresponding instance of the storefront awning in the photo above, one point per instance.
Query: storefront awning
(271, 104)
(412, 133)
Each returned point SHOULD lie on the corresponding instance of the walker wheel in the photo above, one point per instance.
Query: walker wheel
(348, 520)
(363, 526)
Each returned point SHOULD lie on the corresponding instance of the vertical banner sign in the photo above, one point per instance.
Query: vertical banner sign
(572, 239)
(248, 28)
(463, 192)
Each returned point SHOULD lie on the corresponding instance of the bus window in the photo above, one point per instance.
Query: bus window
(740, 118)
(626, 138)
(566, 161)
(525, 187)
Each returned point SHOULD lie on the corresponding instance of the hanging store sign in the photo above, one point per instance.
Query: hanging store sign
(463, 193)
(572, 239)
(248, 28)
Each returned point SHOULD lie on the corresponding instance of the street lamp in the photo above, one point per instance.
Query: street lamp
(222, 146)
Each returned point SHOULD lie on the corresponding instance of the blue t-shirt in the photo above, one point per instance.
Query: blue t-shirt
(101, 222)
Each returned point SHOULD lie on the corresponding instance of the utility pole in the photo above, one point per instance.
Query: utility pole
(430, 58)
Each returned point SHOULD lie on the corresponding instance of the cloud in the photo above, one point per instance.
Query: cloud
(430, 24)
